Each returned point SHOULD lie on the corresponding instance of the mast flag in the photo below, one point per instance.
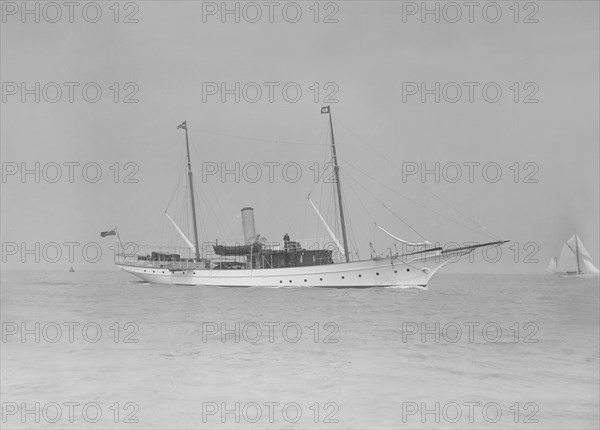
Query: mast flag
(182, 125)
(325, 109)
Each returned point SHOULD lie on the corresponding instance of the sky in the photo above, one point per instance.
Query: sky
(528, 155)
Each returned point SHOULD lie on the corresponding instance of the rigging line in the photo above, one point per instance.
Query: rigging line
(346, 208)
(256, 139)
(325, 205)
(336, 215)
(292, 221)
(418, 183)
(358, 198)
(321, 177)
(227, 230)
(304, 218)
(162, 234)
(318, 181)
(367, 211)
(319, 225)
(421, 205)
(383, 204)
(204, 209)
(201, 220)
(181, 175)
(396, 216)
(189, 217)
(225, 227)
(210, 210)
(186, 208)
(352, 236)
(348, 227)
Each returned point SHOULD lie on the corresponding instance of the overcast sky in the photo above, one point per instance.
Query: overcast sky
(370, 57)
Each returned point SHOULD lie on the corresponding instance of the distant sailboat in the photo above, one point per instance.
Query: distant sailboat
(574, 259)
(71, 269)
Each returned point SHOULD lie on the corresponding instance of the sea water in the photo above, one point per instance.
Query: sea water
(103, 350)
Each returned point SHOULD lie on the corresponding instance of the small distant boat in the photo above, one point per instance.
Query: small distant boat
(574, 259)
(71, 269)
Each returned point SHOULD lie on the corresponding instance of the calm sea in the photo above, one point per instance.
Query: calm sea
(100, 349)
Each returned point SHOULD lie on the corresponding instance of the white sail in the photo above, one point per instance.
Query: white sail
(588, 267)
(185, 239)
(552, 265)
(580, 248)
(574, 258)
(567, 262)
(337, 242)
(585, 264)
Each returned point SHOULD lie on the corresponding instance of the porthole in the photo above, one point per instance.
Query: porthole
(360, 276)
(408, 270)
(321, 279)
(281, 282)
(343, 277)
(290, 281)
(305, 280)
(395, 271)
(194, 273)
(377, 273)
(144, 270)
(153, 271)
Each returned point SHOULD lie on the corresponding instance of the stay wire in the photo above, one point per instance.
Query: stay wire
(483, 228)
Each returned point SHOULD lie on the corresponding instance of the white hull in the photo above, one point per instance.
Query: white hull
(360, 274)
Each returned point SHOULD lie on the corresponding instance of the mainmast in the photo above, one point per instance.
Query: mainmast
(336, 170)
(189, 166)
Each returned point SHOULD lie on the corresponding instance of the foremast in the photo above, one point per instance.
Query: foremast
(183, 126)
(336, 170)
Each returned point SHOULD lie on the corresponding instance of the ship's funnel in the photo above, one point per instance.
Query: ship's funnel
(248, 225)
